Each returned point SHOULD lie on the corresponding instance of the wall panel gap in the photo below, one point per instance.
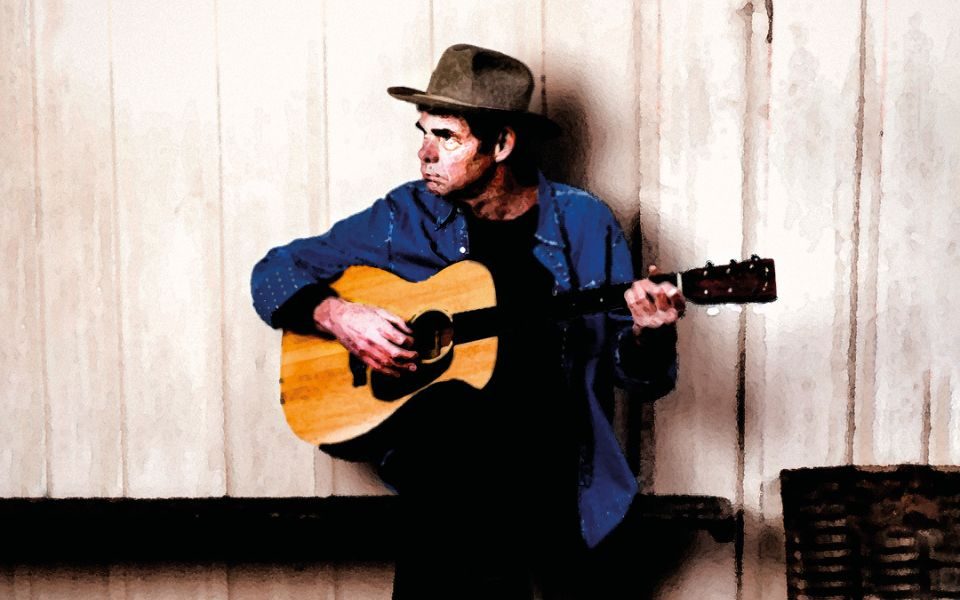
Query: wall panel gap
(39, 262)
(227, 453)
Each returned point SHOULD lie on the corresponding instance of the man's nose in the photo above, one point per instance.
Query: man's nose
(428, 150)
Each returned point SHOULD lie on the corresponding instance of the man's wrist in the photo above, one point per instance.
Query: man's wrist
(324, 313)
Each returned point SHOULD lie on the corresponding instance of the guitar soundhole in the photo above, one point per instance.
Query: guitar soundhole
(433, 341)
(432, 335)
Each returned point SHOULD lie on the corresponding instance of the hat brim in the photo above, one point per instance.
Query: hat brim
(543, 126)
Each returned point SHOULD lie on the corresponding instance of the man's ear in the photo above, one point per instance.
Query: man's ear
(506, 141)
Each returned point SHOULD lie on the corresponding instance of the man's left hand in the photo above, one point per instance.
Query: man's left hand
(654, 304)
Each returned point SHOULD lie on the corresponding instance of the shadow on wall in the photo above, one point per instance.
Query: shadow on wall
(571, 157)
(566, 158)
(673, 556)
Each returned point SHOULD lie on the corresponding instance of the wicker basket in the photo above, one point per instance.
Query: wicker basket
(872, 532)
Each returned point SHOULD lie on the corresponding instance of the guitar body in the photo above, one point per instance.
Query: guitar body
(329, 398)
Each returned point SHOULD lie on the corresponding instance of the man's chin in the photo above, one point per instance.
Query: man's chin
(437, 189)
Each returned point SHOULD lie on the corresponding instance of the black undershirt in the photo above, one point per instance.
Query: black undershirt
(528, 386)
(528, 346)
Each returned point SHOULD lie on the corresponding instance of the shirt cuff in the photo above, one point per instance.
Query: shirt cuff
(296, 314)
(648, 361)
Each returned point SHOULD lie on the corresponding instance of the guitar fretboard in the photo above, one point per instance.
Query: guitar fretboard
(486, 322)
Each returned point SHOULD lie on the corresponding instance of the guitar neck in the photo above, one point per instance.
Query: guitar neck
(748, 281)
(486, 322)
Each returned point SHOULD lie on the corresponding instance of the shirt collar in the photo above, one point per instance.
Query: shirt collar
(441, 211)
(548, 227)
(548, 230)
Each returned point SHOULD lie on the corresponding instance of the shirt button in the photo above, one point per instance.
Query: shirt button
(463, 250)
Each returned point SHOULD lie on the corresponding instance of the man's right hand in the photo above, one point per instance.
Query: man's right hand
(377, 337)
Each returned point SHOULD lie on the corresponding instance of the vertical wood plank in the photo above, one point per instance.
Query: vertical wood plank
(173, 582)
(65, 583)
(808, 228)
(944, 411)
(78, 228)
(282, 582)
(7, 582)
(649, 97)
(186, 582)
(590, 67)
(372, 143)
(271, 99)
(698, 202)
(874, 78)
(17, 582)
(21, 582)
(367, 581)
(917, 252)
(799, 378)
(644, 231)
(760, 558)
(701, 145)
(950, 396)
(170, 249)
(22, 414)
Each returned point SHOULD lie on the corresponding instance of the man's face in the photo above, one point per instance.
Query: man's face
(451, 161)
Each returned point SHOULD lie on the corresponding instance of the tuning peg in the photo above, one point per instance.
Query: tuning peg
(754, 257)
(706, 269)
(733, 262)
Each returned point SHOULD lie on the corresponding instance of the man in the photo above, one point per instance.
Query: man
(525, 475)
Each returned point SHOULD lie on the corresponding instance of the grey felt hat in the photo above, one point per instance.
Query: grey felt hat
(478, 80)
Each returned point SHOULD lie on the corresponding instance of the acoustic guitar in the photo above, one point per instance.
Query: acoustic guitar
(330, 396)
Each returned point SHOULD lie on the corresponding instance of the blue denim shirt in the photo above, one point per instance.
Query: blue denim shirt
(414, 234)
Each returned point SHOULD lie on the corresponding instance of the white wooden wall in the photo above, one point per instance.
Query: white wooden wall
(151, 151)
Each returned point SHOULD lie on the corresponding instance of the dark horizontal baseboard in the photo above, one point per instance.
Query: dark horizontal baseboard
(710, 513)
(355, 528)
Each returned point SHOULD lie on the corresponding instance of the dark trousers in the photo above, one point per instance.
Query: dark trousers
(488, 496)
(474, 562)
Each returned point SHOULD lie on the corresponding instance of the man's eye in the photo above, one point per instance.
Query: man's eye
(450, 143)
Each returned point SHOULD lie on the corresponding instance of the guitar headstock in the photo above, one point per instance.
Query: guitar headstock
(752, 280)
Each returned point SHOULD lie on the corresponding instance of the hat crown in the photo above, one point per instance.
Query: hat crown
(472, 79)
(482, 78)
